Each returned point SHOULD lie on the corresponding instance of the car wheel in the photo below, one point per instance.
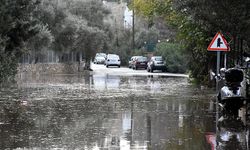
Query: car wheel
(119, 66)
(107, 66)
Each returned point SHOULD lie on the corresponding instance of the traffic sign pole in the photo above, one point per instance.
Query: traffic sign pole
(225, 60)
(217, 70)
(218, 44)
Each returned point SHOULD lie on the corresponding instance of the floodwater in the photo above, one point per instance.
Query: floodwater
(112, 112)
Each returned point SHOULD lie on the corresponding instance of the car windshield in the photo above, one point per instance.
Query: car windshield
(142, 59)
(158, 59)
(113, 56)
(99, 57)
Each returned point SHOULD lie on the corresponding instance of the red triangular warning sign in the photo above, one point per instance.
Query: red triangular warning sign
(218, 43)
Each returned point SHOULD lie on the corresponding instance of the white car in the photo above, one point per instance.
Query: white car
(99, 60)
(112, 60)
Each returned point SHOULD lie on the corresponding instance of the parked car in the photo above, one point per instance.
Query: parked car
(156, 63)
(99, 60)
(112, 60)
(140, 62)
(131, 61)
(101, 54)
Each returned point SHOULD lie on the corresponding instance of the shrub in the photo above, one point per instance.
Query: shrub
(174, 55)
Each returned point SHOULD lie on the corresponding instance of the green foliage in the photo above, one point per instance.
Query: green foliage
(8, 67)
(174, 55)
(195, 42)
(72, 25)
(83, 28)
(38, 44)
(66, 25)
(145, 37)
(17, 26)
(122, 45)
(196, 22)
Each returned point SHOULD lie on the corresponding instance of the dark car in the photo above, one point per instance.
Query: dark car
(140, 62)
(156, 63)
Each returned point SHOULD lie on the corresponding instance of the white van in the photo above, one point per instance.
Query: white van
(112, 60)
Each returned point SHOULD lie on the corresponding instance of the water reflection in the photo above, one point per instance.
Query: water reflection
(105, 112)
(231, 134)
(14, 125)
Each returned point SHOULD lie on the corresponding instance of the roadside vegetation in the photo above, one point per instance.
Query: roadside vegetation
(16, 28)
(35, 26)
(175, 57)
(196, 23)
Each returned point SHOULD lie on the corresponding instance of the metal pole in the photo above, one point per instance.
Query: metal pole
(217, 90)
(133, 26)
(218, 70)
(225, 60)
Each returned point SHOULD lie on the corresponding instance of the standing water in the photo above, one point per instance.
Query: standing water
(102, 111)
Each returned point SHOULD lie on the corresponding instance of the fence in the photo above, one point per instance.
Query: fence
(50, 57)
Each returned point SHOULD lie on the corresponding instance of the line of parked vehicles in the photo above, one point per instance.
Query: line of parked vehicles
(135, 62)
(154, 63)
(107, 60)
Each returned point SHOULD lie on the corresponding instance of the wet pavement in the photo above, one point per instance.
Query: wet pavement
(114, 109)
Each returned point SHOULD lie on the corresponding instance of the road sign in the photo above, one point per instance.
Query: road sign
(218, 43)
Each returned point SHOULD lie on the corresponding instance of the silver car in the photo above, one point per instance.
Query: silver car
(156, 63)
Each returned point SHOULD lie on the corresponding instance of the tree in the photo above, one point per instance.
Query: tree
(75, 25)
(197, 22)
(17, 26)
(91, 34)
(174, 55)
(205, 19)
(38, 44)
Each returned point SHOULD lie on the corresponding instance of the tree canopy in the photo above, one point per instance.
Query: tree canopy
(75, 25)
(17, 26)
(196, 23)
(36, 26)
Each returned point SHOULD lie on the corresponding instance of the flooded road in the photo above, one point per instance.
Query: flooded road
(108, 110)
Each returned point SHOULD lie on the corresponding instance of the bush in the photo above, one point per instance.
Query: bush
(174, 55)
(8, 67)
